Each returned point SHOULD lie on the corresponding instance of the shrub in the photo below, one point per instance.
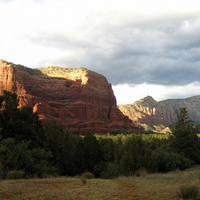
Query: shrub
(83, 179)
(15, 174)
(85, 176)
(112, 171)
(88, 175)
(188, 192)
(168, 161)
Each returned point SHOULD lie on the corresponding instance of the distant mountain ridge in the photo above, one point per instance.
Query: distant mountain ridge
(153, 115)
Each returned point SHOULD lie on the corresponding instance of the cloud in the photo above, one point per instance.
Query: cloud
(158, 92)
(131, 53)
(133, 43)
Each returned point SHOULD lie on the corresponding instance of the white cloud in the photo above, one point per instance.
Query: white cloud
(128, 94)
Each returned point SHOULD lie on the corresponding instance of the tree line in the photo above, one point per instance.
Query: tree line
(36, 148)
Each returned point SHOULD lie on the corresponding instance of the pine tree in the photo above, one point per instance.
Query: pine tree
(185, 139)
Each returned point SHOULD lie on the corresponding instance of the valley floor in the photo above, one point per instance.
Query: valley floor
(142, 187)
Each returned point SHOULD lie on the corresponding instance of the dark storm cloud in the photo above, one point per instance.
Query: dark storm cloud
(161, 51)
(167, 56)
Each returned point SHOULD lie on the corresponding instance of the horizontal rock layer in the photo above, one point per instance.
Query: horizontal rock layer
(78, 98)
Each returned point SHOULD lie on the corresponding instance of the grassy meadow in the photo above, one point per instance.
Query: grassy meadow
(142, 187)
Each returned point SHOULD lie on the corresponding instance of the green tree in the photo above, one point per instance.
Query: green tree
(62, 145)
(89, 154)
(136, 155)
(8, 109)
(80, 166)
(111, 149)
(21, 138)
(18, 156)
(185, 140)
(19, 123)
(108, 147)
(166, 161)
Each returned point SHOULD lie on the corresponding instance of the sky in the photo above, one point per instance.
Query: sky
(142, 47)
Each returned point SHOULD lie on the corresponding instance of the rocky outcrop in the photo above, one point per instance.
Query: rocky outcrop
(144, 111)
(153, 115)
(78, 98)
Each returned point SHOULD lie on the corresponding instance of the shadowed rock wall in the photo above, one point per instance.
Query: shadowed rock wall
(78, 98)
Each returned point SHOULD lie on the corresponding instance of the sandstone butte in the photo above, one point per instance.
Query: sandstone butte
(80, 99)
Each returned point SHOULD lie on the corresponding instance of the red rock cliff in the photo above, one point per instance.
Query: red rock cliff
(78, 98)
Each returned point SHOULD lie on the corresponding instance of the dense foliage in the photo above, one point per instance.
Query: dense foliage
(186, 141)
(28, 146)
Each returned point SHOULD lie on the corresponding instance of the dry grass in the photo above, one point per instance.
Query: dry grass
(160, 186)
(145, 187)
(58, 188)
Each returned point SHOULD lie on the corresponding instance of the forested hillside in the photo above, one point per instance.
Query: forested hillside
(29, 147)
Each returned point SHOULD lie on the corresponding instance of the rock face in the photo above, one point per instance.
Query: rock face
(78, 98)
(160, 114)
